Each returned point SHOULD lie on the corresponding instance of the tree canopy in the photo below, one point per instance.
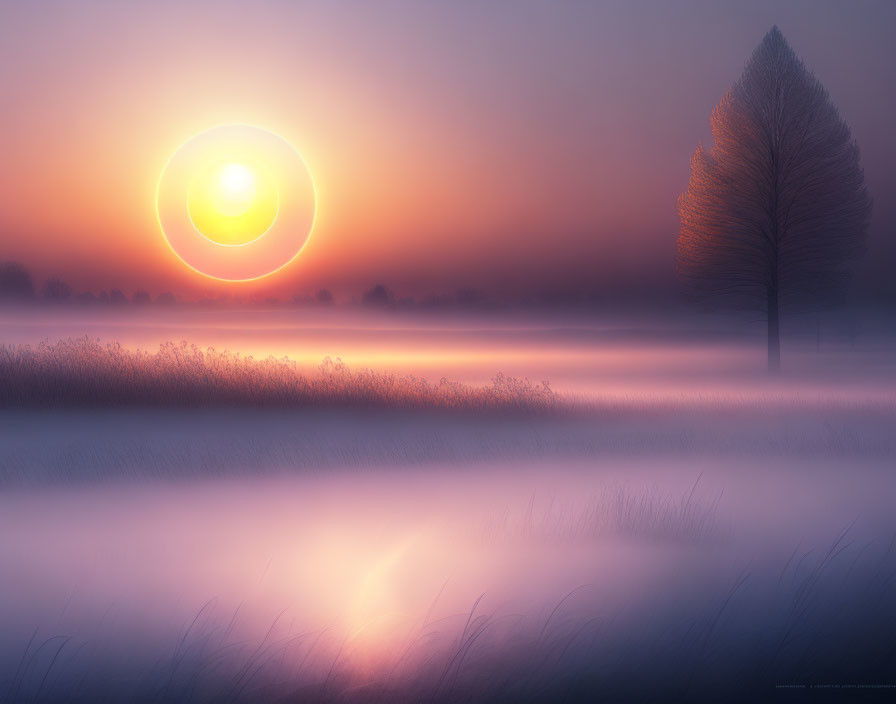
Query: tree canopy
(777, 208)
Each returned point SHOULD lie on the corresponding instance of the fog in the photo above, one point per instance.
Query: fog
(686, 518)
(367, 562)
(579, 354)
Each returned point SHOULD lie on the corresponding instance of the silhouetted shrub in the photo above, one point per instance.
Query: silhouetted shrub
(379, 295)
(141, 298)
(469, 298)
(15, 282)
(166, 299)
(323, 297)
(56, 291)
(116, 297)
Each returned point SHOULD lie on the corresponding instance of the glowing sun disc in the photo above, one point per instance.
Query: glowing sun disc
(233, 205)
(236, 202)
(236, 189)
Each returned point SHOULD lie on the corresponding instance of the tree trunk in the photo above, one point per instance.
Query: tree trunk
(774, 333)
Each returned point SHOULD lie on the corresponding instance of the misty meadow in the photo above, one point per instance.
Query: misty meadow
(519, 352)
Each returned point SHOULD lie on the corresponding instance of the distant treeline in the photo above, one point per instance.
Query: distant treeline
(17, 285)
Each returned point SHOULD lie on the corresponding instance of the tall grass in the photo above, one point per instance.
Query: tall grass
(827, 621)
(86, 372)
(615, 511)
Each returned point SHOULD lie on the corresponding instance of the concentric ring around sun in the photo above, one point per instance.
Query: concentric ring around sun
(236, 202)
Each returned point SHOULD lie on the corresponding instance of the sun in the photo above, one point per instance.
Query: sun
(233, 203)
(235, 189)
(236, 202)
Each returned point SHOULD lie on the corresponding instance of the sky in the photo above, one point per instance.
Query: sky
(517, 148)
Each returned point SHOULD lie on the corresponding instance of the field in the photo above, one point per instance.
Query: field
(660, 522)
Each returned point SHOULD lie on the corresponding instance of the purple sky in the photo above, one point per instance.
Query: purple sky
(511, 147)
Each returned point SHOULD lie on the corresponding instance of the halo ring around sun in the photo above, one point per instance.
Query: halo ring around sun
(236, 202)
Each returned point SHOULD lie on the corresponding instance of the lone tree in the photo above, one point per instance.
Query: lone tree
(777, 208)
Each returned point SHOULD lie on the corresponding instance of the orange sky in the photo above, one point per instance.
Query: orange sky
(505, 148)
